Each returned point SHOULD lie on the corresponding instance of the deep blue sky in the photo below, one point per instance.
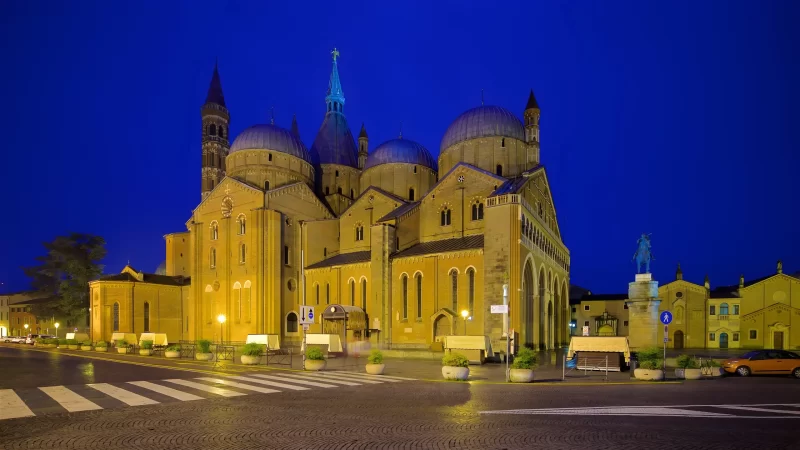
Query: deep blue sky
(671, 117)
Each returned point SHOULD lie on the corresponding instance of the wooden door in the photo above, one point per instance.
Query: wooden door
(777, 340)
(723, 340)
(677, 340)
(441, 328)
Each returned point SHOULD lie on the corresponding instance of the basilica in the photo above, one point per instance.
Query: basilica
(404, 247)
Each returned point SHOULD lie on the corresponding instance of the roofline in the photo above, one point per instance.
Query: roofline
(459, 164)
(378, 190)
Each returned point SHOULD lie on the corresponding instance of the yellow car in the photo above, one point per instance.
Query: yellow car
(764, 362)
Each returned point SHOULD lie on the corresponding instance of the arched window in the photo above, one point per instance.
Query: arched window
(352, 193)
(327, 190)
(246, 300)
(242, 223)
(352, 292)
(454, 289)
(269, 156)
(339, 190)
(327, 294)
(364, 295)
(360, 233)
(286, 255)
(266, 185)
(212, 130)
(411, 194)
(237, 297)
(214, 231)
(477, 211)
(499, 170)
(723, 309)
(316, 288)
(471, 278)
(337, 173)
(419, 296)
(679, 314)
(405, 297)
(325, 252)
(115, 314)
(503, 142)
(291, 323)
(213, 258)
(242, 254)
(445, 217)
(146, 316)
(221, 131)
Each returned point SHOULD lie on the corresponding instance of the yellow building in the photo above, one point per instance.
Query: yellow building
(393, 233)
(756, 314)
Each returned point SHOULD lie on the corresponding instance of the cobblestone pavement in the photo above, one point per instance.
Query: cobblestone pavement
(417, 414)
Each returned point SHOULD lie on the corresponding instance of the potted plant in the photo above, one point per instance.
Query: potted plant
(455, 366)
(86, 345)
(101, 346)
(711, 368)
(122, 346)
(687, 368)
(376, 365)
(51, 343)
(203, 350)
(315, 359)
(251, 353)
(72, 344)
(147, 348)
(650, 364)
(173, 351)
(523, 366)
(62, 343)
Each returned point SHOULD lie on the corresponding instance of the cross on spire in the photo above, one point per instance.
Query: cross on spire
(335, 53)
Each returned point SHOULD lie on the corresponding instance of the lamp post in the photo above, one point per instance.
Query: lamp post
(26, 329)
(57, 325)
(221, 320)
(465, 314)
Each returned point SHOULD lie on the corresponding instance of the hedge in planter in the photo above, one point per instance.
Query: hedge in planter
(173, 351)
(147, 348)
(101, 346)
(315, 359)
(62, 343)
(72, 344)
(86, 345)
(688, 368)
(51, 342)
(523, 366)
(122, 346)
(375, 364)
(711, 368)
(251, 353)
(203, 350)
(455, 366)
(650, 364)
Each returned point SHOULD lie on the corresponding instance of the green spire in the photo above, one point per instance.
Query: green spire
(335, 97)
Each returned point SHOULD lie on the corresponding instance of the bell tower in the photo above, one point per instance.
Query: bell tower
(215, 136)
(531, 115)
(363, 144)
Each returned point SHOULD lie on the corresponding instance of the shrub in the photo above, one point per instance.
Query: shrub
(203, 346)
(122, 343)
(375, 357)
(455, 360)
(253, 349)
(147, 344)
(525, 359)
(650, 358)
(101, 344)
(51, 341)
(40, 340)
(174, 348)
(687, 362)
(315, 354)
(62, 341)
(87, 343)
(72, 342)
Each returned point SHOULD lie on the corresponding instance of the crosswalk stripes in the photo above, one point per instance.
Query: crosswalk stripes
(30, 402)
(380, 377)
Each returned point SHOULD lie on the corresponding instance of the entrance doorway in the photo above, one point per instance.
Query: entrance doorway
(723, 340)
(677, 340)
(777, 340)
(441, 328)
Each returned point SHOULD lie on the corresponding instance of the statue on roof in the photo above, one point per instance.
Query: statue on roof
(643, 255)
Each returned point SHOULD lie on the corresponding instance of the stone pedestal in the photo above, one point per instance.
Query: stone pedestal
(643, 320)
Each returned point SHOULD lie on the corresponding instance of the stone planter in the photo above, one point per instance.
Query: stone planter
(122, 350)
(680, 373)
(203, 356)
(521, 375)
(73, 347)
(172, 354)
(693, 374)
(712, 371)
(250, 360)
(101, 349)
(648, 375)
(86, 348)
(145, 352)
(375, 369)
(51, 345)
(315, 364)
(455, 373)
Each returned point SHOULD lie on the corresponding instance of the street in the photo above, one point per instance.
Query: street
(139, 406)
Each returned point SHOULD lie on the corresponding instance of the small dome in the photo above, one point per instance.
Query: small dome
(270, 137)
(400, 151)
(162, 268)
(483, 121)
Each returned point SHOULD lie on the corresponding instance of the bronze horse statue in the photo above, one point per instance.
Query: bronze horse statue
(643, 255)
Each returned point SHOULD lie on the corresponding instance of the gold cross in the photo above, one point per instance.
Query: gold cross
(335, 53)
(227, 189)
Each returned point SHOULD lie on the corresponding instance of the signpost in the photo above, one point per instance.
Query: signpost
(585, 331)
(499, 309)
(666, 319)
(506, 327)
(306, 319)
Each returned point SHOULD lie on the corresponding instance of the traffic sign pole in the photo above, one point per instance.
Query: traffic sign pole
(666, 318)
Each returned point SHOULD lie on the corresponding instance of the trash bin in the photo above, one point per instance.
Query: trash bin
(634, 362)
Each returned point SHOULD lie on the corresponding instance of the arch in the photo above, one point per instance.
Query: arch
(499, 170)
(527, 306)
(242, 253)
(679, 313)
(364, 294)
(115, 316)
(542, 302)
(442, 326)
(477, 210)
(562, 319)
(723, 340)
(454, 289)
(221, 131)
(247, 284)
(247, 301)
(471, 290)
(291, 322)
(418, 273)
(550, 326)
(677, 340)
(723, 309)
(237, 285)
(418, 278)
(213, 258)
(405, 296)
(237, 297)
(352, 292)
(212, 130)
(445, 216)
(266, 185)
(327, 293)
(214, 230)
(411, 194)
(241, 220)
(146, 316)
(209, 288)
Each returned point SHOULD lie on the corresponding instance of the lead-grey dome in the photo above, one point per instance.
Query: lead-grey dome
(162, 268)
(270, 137)
(400, 151)
(483, 121)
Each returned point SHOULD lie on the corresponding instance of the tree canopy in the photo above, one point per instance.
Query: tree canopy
(63, 275)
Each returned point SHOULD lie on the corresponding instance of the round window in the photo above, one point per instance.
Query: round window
(679, 294)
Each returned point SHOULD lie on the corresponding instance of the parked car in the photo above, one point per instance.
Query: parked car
(764, 362)
(7, 339)
(32, 338)
(18, 340)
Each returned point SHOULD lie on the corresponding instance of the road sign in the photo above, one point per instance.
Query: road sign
(666, 317)
(306, 327)
(666, 332)
(665, 340)
(306, 315)
(499, 309)
(585, 331)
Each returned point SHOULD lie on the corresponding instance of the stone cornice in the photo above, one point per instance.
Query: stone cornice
(442, 255)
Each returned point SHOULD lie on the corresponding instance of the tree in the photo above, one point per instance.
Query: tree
(63, 275)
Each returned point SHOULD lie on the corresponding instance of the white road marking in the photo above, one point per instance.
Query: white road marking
(655, 411)
(379, 377)
(207, 388)
(127, 397)
(294, 380)
(749, 408)
(168, 391)
(327, 376)
(239, 385)
(69, 400)
(11, 406)
(298, 376)
(269, 383)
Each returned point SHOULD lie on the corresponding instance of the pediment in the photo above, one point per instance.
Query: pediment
(372, 194)
(462, 174)
(779, 307)
(284, 197)
(225, 192)
(682, 285)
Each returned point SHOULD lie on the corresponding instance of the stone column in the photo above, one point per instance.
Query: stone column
(643, 305)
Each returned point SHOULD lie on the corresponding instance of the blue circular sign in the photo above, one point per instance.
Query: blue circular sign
(310, 315)
(666, 317)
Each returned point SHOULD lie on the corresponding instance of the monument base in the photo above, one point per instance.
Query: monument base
(643, 303)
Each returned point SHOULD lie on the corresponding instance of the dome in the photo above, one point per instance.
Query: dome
(270, 137)
(162, 268)
(400, 151)
(334, 143)
(483, 121)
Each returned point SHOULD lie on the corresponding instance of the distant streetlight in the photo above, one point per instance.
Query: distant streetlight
(465, 314)
(221, 320)
(57, 325)
(26, 328)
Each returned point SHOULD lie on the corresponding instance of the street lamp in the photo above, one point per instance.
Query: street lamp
(57, 325)
(465, 314)
(26, 329)
(221, 320)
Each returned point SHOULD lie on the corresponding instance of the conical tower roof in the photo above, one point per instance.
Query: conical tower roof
(215, 89)
(532, 103)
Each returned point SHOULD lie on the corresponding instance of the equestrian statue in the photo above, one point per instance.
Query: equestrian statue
(643, 255)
